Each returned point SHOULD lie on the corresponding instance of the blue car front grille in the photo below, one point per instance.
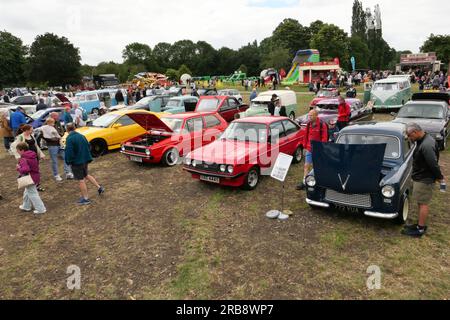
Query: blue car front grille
(353, 200)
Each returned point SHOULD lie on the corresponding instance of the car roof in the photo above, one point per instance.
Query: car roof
(188, 115)
(392, 80)
(387, 128)
(430, 102)
(215, 97)
(261, 119)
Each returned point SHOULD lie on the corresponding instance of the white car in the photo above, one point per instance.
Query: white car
(231, 93)
(27, 102)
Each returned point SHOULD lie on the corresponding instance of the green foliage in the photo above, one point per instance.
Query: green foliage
(358, 48)
(243, 68)
(439, 44)
(54, 59)
(12, 60)
(290, 34)
(172, 74)
(279, 58)
(184, 69)
(359, 26)
(332, 42)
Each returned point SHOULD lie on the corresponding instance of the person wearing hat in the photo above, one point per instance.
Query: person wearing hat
(271, 106)
(17, 119)
(280, 111)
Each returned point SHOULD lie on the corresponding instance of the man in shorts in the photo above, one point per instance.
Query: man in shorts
(426, 172)
(78, 155)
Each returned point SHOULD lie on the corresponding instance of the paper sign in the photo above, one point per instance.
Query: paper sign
(281, 167)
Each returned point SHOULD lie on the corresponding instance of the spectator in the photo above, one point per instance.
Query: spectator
(6, 98)
(78, 118)
(78, 155)
(425, 173)
(17, 119)
(41, 105)
(344, 113)
(67, 117)
(6, 132)
(53, 140)
(29, 165)
(119, 97)
(316, 130)
(253, 95)
(271, 106)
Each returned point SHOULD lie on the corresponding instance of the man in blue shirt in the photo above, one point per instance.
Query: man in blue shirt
(17, 119)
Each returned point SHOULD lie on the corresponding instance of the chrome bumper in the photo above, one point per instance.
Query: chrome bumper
(379, 215)
(317, 204)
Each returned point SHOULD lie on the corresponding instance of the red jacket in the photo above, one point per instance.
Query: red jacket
(317, 133)
(344, 111)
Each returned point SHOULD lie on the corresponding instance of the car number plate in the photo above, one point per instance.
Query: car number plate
(136, 159)
(347, 209)
(210, 179)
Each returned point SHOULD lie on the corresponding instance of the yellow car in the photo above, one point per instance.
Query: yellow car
(110, 130)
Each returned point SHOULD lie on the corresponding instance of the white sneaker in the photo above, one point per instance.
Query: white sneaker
(58, 178)
(23, 209)
(69, 176)
(38, 212)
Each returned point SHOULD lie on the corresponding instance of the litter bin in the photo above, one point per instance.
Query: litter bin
(367, 89)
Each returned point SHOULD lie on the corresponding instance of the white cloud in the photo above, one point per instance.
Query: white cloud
(101, 28)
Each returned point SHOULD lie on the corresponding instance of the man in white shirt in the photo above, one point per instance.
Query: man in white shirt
(78, 118)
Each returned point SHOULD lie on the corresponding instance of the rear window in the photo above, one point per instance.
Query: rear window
(392, 143)
(208, 105)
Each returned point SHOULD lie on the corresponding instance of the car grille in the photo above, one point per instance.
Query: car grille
(208, 167)
(134, 149)
(355, 200)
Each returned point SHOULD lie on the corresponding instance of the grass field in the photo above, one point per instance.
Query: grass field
(158, 234)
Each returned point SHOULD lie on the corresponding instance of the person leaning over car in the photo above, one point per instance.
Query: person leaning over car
(344, 113)
(425, 173)
(316, 130)
(17, 119)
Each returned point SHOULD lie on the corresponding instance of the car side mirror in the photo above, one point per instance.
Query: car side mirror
(116, 125)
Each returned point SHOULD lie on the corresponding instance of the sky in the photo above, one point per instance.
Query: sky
(102, 28)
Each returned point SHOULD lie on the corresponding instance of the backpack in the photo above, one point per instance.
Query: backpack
(85, 115)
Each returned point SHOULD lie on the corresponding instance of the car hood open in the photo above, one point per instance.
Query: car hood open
(348, 168)
(149, 121)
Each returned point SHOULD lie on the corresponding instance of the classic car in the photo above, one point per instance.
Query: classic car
(432, 115)
(207, 92)
(227, 107)
(180, 104)
(367, 171)
(28, 103)
(231, 93)
(109, 131)
(38, 119)
(328, 111)
(91, 101)
(245, 151)
(172, 136)
(150, 103)
(390, 93)
(324, 93)
(260, 105)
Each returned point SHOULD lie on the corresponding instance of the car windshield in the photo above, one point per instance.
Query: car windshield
(173, 103)
(392, 143)
(173, 123)
(105, 121)
(421, 111)
(144, 102)
(245, 131)
(259, 104)
(385, 86)
(208, 105)
(38, 114)
(328, 107)
(326, 93)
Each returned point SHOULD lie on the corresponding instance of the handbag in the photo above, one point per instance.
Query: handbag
(24, 181)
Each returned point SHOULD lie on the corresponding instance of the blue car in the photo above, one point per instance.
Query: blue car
(91, 101)
(38, 119)
(367, 171)
(181, 104)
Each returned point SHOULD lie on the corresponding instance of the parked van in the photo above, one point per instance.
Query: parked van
(260, 105)
(90, 101)
(391, 93)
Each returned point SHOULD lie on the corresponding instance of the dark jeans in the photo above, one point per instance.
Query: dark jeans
(341, 124)
(7, 142)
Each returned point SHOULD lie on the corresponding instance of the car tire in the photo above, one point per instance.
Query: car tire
(403, 213)
(292, 116)
(298, 155)
(98, 147)
(443, 144)
(171, 157)
(251, 179)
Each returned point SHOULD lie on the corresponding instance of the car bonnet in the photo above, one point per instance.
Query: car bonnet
(149, 121)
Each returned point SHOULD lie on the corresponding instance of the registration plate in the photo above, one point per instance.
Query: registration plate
(347, 209)
(210, 179)
(136, 159)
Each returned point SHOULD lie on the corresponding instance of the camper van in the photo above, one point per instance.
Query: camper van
(260, 105)
(90, 101)
(390, 93)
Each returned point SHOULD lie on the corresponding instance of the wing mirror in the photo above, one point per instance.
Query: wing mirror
(116, 125)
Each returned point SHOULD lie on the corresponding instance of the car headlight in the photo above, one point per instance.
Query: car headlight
(194, 163)
(122, 148)
(388, 191)
(147, 152)
(311, 181)
(230, 169)
(439, 136)
(187, 161)
(223, 168)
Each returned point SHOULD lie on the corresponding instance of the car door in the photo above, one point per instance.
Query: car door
(211, 131)
(279, 140)
(225, 111)
(195, 128)
(156, 104)
(125, 130)
(293, 138)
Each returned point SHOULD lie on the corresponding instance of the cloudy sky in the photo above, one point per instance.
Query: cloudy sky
(102, 28)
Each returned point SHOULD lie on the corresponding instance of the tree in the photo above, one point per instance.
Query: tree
(250, 56)
(227, 61)
(205, 59)
(439, 44)
(162, 53)
(54, 60)
(139, 54)
(279, 58)
(184, 69)
(290, 34)
(172, 74)
(332, 42)
(358, 48)
(183, 52)
(243, 68)
(359, 25)
(314, 28)
(12, 60)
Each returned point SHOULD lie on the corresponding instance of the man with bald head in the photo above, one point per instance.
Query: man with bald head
(316, 130)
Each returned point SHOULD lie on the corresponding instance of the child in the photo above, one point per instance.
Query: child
(28, 164)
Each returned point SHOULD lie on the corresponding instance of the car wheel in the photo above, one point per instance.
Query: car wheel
(298, 154)
(292, 116)
(443, 144)
(251, 179)
(403, 213)
(171, 157)
(98, 148)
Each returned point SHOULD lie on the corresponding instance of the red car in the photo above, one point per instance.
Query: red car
(226, 106)
(324, 93)
(169, 138)
(246, 150)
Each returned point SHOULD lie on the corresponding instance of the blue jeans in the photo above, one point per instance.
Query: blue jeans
(7, 142)
(56, 151)
(31, 199)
